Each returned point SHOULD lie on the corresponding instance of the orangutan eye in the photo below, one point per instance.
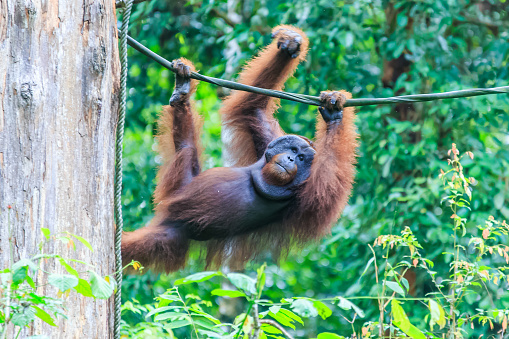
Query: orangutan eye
(294, 150)
(301, 157)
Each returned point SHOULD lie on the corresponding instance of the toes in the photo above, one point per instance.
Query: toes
(333, 100)
(293, 47)
(184, 71)
(275, 33)
(340, 100)
(324, 98)
(329, 101)
(288, 41)
(290, 46)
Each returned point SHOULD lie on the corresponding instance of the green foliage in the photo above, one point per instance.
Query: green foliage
(469, 270)
(448, 46)
(172, 312)
(22, 299)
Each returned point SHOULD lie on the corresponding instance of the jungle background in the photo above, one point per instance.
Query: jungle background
(372, 49)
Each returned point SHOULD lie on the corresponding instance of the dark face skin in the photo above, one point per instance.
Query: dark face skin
(286, 164)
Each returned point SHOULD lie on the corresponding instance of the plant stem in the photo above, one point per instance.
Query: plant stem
(251, 303)
(381, 304)
(187, 310)
(257, 324)
(455, 276)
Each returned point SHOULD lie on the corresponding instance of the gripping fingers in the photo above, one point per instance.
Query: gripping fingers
(182, 82)
(183, 70)
(332, 108)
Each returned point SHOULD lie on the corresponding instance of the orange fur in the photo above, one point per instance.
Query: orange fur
(212, 205)
(244, 113)
(328, 188)
(188, 127)
(318, 204)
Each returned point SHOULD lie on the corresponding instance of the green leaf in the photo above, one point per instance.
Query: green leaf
(23, 318)
(405, 283)
(169, 298)
(260, 279)
(399, 315)
(25, 262)
(199, 313)
(443, 43)
(349, 38)
(68, 268)
(387, 168)
(46, 232)
(205, 323)
(270, 329)
(274, 309)
(19, 275)
(242, 282)
(347, 305)
(499, 199)
(282, 319)
(323, 310)
(100, 288)
(291, 315)
(395, 287)
(370, 261)
(398, 50)
(228, 293)
(63, 281)
(402, 322)
(84, 288)
(177, 324)
(304, 307)
(83, 241)
(30, 282)
(402, 19)
(170, 315)
(437, 314)
(285, 317)
(162, 309)
(44, 316)
(328, 335)
(197, 277)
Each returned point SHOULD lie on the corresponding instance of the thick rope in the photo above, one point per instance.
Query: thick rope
(313, 100)
(126, 14)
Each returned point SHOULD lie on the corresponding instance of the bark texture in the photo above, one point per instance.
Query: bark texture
(59, 85)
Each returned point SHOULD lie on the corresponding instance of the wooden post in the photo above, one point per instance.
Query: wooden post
(59, 85)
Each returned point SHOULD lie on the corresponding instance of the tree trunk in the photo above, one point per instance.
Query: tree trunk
(59, 86)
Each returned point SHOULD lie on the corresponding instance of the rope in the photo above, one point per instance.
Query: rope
(302, 98)
(313, 100)
(126, 14)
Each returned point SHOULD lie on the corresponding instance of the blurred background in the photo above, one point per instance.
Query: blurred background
(372, 49)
